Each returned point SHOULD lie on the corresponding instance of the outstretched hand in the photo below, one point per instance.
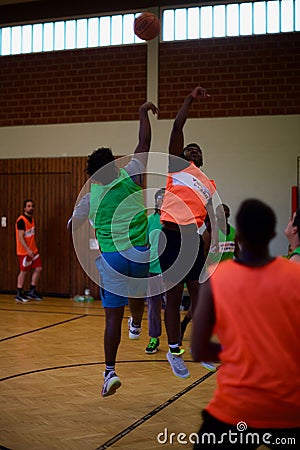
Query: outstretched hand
(199, 92)
(149, 106)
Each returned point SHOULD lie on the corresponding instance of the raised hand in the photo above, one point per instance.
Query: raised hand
(199, 92)
(149, 106)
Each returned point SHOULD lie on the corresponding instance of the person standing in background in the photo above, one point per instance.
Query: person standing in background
(228, 246)
(27, 253)
(156, 294)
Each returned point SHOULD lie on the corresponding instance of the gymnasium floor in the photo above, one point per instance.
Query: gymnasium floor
(52, 361)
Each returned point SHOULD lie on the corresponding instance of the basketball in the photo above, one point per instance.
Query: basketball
(147, 26)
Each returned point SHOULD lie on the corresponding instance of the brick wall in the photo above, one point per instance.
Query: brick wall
(102, 84)
(246, 76)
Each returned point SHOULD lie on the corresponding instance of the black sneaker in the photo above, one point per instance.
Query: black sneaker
(153, 345)
(21, 298)
(34, 295)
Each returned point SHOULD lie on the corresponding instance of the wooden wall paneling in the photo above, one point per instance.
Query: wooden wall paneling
(54, 242)
(7, 241)
(54, 185)
(9, 264)
(80, 279)
(45, 190)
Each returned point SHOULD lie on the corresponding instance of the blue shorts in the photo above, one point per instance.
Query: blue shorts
(123, 274)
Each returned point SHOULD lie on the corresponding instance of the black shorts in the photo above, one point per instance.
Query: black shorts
(181, 255)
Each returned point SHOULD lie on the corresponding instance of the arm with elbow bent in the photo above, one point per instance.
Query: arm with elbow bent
(143, 146)
(176, 143)
(203, 349)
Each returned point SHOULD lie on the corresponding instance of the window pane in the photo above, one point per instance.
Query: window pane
(206, 21)
(232, 20)
(16, 40)
(116, 30)
(246, 18)
(219, 20)
(193, 23)
(259, 17)
(70, 34)
(297, 15)
(287, 15)
(48, 37)
(27, 39)
(105, 31)
(5, 41)
(273, 17)
(180, 24)
(128, 32)
(37, 34)
(59, 35)
(136, 38)
(81, 38)
(168, 25)
(93, 32)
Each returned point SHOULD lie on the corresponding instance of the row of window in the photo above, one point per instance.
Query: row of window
(235, 19)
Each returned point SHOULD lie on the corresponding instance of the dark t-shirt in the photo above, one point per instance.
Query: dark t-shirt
(21, 223)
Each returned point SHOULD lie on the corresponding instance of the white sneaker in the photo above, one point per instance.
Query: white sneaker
(111, 383)
(178, 366)
(133, 331)
(209, 366)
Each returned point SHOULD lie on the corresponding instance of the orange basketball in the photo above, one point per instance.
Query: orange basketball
(147, 26)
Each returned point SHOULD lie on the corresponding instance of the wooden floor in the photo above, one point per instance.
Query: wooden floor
(51, 376)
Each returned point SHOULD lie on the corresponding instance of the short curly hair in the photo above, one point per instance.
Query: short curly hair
(99, 158)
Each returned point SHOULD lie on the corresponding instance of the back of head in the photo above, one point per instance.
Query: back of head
(99, 159)
(255, 223)
(296, 222)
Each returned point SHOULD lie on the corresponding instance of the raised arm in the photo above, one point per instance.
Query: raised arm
(143, 146)
(176, 143)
